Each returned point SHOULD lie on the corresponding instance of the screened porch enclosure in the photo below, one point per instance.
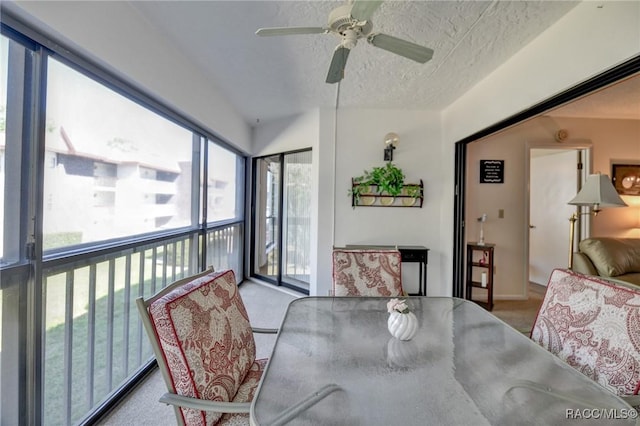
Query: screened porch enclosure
(94, 339)
(106, 195)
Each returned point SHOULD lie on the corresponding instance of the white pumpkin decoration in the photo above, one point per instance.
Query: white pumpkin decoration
(402, 326)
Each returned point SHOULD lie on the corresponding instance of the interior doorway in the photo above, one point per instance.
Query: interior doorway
(555, 176)
(595, 94)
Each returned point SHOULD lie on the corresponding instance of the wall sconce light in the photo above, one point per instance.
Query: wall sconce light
(391, 140)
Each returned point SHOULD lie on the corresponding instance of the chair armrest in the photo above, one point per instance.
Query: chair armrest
(205, 405)
(583, 265)
(265, 330)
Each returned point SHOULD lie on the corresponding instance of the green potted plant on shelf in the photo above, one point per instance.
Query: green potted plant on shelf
(389, 179)
(412, 190)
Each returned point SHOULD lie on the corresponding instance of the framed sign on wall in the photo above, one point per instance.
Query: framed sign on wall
(491, 171)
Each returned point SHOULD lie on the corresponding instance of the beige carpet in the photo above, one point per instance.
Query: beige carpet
(520, 314)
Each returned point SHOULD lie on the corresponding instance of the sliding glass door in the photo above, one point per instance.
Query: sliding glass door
(282, 207)
(266, 247)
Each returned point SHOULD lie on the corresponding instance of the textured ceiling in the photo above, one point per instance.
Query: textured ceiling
(271, 77)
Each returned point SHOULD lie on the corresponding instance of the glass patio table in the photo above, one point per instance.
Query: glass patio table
(334, 362)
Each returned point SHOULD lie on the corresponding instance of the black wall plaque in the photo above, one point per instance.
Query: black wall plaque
(491, 171)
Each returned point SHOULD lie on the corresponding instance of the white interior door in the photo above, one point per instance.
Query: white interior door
(553, 182)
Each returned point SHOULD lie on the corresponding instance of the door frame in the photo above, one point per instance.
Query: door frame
(610, 76)
(583, 169)
(277, 281)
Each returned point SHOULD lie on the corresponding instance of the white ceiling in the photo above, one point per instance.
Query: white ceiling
(271, 77)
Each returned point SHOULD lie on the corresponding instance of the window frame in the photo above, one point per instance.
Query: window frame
(26, 277)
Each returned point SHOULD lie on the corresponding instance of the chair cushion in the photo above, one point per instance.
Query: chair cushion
(206, 340)
(245, 394)
(594, 326)
(367, 273)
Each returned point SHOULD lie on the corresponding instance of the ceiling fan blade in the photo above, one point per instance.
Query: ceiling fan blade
(338, 62)
(362, 10)
(280, 31)
(401, 47)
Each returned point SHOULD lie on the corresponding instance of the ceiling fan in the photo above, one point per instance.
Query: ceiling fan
(352, 22)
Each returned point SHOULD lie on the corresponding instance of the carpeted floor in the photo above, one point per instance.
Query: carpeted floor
(520, 314)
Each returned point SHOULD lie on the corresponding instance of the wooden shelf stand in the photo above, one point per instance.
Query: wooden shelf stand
(480, 257)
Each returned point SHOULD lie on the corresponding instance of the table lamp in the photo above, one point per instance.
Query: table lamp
(597, 192)
(482, 219)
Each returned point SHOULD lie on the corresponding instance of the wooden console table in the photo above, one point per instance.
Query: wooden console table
(408, 254)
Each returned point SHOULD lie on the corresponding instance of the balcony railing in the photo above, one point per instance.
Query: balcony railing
(94, 341)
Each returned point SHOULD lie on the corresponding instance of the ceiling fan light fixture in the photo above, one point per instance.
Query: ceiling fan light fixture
(350, 39)
(352, 21)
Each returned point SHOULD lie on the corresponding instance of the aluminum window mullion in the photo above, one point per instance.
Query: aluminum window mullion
(127, 314)
(165, 260)
(139, 332)
(68, 346)
(154, 256)
(183, 252)
(199, 196)
(18, 368)
(33, 177)
(280, 235)
(15, 146)
(91, 335)
(110, 323)
(174, 260)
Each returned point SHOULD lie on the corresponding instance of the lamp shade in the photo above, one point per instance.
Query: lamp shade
(391, 139)
(598, 191)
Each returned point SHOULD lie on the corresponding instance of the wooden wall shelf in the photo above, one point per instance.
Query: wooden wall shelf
(374, 198)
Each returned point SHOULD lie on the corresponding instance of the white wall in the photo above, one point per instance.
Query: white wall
(506, 233)
(116, 36)
(327, 217)
(614, 141)
(592, 37)
(359, 146)
(286, 134)
(298, 132)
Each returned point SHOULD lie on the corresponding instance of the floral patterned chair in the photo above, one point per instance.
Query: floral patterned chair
(367, 272)
(203, 342)
(593, 325)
